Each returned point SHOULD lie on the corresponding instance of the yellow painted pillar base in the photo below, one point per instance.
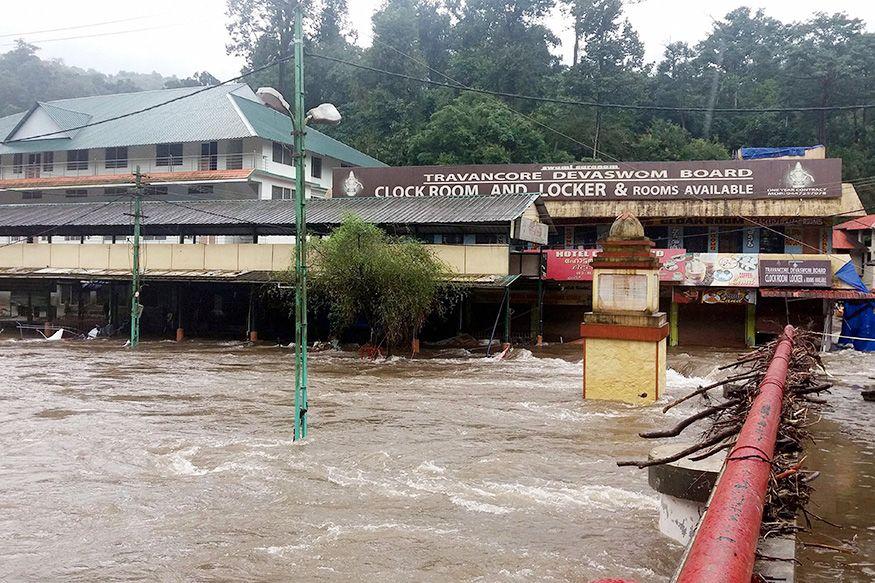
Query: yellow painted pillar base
(630, 371)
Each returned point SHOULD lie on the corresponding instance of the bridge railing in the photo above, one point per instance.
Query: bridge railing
(724, 547)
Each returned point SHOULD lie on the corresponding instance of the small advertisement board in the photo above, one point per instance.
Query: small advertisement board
(574, 264)
(795, 273)
(722, 270)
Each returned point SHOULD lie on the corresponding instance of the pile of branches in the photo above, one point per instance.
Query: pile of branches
(790, 484)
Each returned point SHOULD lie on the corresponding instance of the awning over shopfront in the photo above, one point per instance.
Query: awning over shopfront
(826, 294)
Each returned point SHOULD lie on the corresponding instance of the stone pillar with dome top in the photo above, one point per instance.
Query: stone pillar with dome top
(624, 337)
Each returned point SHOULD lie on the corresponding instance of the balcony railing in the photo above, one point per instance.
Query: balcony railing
(151, 165)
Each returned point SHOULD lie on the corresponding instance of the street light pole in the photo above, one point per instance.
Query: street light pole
(300, 238)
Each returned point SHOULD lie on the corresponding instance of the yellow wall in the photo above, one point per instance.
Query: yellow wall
(622, 370)
(463, 259)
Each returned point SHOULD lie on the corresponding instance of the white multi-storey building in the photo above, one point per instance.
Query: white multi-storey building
(191, 144)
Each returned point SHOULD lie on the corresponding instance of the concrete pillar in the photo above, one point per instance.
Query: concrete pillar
(180, 303)
(251, 318)
(505, 337)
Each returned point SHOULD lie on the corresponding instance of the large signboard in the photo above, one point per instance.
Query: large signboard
(575, 264)
(710, 180)
(795, 273)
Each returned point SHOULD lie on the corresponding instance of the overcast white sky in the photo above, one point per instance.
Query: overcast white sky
(183, 36)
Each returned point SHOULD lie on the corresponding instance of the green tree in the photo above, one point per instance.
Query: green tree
(475, 129)
(503, 45)
(667, 141)
(394, 284)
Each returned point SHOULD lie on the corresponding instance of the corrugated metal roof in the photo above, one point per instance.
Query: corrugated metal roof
(272, 125)
(859, 224)
(223, 112)
(279, 213)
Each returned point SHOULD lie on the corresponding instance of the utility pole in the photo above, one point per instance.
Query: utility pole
(135, 275)
(300, 238)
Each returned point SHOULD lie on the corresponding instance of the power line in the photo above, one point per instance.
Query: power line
(560, 101)
(100, 34)
(77, 27)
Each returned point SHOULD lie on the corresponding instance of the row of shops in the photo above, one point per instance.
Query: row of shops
(745, 247)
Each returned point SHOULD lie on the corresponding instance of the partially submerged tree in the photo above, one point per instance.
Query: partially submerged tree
(393, 284)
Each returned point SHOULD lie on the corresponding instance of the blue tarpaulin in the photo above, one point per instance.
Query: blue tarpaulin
(755, 153)
(859, 320)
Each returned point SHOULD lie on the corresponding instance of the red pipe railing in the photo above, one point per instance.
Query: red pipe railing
(723, 550)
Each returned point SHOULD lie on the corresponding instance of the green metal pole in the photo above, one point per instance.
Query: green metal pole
(750, 325)
(135, 271)
(300, 239)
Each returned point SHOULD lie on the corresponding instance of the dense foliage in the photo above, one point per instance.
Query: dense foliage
(361, 276)
(747, 60)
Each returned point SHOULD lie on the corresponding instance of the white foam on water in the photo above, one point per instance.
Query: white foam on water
(676, 382)
(183, 466)
(430, 467)
(563, 414)
(475, 506)
(604, 497)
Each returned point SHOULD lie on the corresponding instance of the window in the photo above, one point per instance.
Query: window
(659, 236)
(234, 159)
(155, 190)
(209, 156)
(772, 241)
(77, 160)
(168, 155)
(76, 193)
(452, 239)
(696, 239)
(731, 240)
(316, 167)
(48, 161)
(17, 163)
(203, 189)
(32, 195)
(117, 157)
(585, 236)
(280, 193)
(282, 154)
(115, 191)
(486, 238)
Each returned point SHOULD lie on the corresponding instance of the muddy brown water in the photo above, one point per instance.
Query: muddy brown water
(175, 463)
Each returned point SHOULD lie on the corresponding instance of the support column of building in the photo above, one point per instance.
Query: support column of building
(506, 335)
(673, 322)
(180, 304)
(750, 325)
(251, 319)
(113, 306)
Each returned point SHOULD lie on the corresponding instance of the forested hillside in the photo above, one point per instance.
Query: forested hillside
(694, 103)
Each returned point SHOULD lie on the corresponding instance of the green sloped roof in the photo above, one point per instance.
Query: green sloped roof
(272, 125)
(65, 118)
(224, 112)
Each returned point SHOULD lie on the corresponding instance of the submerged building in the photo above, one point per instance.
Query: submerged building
(746, 245)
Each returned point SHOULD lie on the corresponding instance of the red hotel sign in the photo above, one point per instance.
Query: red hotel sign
(574, 264)
(715, 180)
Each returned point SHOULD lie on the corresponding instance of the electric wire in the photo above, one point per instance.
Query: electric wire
(76, 27)
(597, 104)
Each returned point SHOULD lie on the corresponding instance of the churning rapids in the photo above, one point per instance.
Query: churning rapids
(175, 463)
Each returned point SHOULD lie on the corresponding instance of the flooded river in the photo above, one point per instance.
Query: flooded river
(175, 463)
